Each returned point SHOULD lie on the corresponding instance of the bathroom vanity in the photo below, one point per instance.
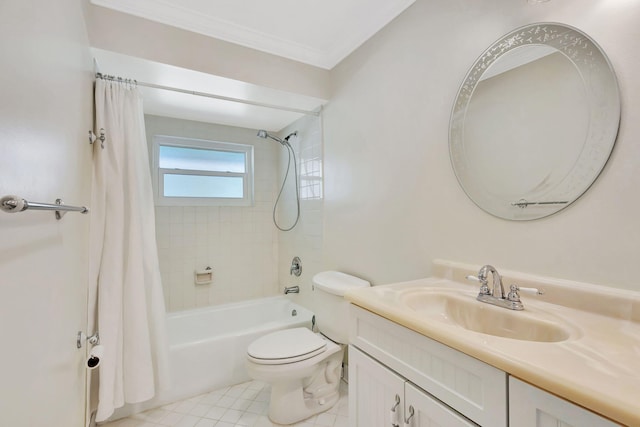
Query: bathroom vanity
(414, 362)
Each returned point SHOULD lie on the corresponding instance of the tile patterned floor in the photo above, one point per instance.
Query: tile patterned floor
(240, 405)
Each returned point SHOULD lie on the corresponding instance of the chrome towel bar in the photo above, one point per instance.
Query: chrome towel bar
(13, 204)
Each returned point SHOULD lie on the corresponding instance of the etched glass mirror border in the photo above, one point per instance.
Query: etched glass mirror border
(515, 178)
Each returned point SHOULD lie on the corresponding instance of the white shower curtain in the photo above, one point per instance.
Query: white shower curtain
(124, 270)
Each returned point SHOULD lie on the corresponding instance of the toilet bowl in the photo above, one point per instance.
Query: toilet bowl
(304, 368)
(303, 383)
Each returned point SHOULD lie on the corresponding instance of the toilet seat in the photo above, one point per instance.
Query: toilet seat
(286, 346)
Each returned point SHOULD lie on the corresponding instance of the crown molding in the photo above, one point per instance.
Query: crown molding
(187, 19)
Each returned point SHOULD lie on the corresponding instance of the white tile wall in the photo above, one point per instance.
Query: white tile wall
(250, 258)
(306, 239)
(240, 244)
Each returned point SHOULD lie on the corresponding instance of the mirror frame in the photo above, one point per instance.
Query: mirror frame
(602, 92)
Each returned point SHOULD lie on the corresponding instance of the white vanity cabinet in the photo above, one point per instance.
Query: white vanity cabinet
(531, 407)
(472, 388)
(379, 397)
(444, 386)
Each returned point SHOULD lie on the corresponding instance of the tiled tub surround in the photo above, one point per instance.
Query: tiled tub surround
(249, 256)
(305, 240)
(598, 367)
(239, 243)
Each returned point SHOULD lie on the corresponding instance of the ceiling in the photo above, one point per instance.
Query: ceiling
(319, 33)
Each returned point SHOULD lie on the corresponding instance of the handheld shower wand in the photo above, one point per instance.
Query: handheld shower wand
(285, 142)
(264, 134)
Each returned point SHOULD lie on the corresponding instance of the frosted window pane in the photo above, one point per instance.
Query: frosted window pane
(201, 159)
(203, 186)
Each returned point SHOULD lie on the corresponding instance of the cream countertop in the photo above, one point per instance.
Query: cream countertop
(598, 367)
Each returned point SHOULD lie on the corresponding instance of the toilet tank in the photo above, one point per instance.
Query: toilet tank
(331, 309)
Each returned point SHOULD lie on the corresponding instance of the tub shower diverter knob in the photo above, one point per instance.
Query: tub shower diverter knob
(296, 267)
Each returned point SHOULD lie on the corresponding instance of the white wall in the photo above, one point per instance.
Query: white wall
(45, 114)
(392, 202)
(239, 243)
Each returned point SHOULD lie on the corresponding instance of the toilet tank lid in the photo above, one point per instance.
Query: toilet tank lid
(337, 283)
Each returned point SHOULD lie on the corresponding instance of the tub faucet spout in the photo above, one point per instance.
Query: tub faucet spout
(292, 290)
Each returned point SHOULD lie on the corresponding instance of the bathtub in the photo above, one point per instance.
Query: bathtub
(208, 346)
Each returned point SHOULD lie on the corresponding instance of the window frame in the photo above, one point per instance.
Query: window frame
(202, 144)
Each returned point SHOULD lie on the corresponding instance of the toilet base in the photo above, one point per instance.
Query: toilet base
(295, 400)
(294, 408)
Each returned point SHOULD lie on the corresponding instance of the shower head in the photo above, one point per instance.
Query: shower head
(264, 134)
(294, 133)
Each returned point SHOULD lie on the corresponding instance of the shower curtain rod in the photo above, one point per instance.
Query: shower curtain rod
(206, 95)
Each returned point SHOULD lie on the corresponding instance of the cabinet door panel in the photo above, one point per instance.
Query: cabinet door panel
(531, 407)
(372, 392)
(475, 389)
(429, 412)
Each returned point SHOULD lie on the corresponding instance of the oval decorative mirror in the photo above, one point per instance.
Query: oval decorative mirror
(534, 121)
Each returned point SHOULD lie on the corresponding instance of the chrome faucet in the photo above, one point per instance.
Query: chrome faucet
(497, 291)
(292, 290)
(495, 295)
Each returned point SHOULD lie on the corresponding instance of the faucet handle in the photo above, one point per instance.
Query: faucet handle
(514, 292)
(484, 287)
(532, 291)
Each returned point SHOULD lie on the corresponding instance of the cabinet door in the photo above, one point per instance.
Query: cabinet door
(531, 407)
(429, 412)
(473, 388)
(373, 391)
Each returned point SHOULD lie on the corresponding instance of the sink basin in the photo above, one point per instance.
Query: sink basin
(463, 310)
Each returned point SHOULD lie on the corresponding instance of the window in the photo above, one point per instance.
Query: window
(195, 172)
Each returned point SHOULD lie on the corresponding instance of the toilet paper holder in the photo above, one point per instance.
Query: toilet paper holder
(93, 339)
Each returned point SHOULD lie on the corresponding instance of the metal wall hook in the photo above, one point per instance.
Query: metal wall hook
(93, 339)
(93, 137)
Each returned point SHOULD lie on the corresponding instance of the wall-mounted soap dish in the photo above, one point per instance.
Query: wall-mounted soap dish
(203, 277)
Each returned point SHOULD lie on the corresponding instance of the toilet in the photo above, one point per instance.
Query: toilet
(303, 367)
